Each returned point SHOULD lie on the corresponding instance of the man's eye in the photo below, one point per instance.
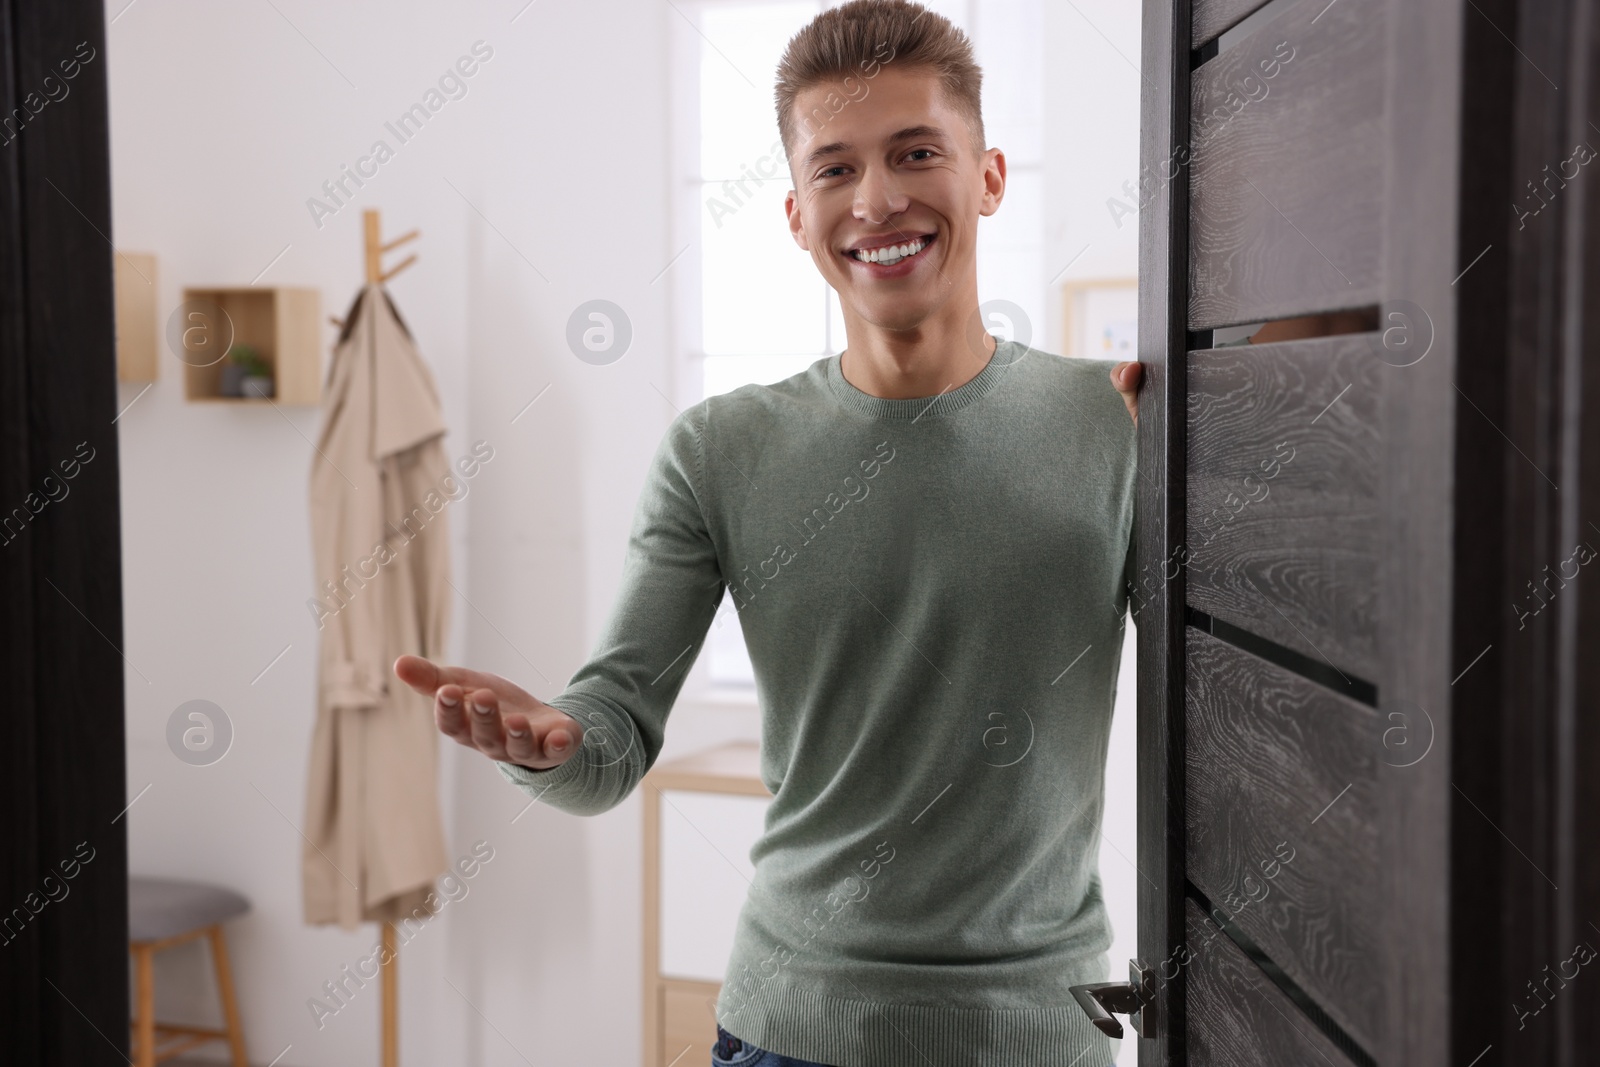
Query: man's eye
(914, 151)
(829, 172)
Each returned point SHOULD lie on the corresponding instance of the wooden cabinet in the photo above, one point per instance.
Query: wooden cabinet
(701, 815)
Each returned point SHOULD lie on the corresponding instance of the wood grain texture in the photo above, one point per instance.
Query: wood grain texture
(1287, 548)
(1237, 1017)
(1281, 814)
(1287, 167)
(1210, 18)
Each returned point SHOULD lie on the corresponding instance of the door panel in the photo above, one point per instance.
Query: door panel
(1281, 814)
(1286, 167)
(1326, 181)
(1211, 17)
(1283, 454)
(1239, 1018)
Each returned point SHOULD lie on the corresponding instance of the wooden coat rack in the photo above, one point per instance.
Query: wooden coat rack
(390, 956)
(376, 248)
(389, 966)
(389, 959)
(374, 252)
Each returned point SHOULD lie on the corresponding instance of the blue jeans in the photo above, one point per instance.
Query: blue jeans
(729, 1051)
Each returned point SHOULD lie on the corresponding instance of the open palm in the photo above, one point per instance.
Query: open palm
(495, 716)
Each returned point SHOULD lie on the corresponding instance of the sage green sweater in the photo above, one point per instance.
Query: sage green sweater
(932, 592)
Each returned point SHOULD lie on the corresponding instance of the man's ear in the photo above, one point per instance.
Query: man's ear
(994, 181)
(796, 225)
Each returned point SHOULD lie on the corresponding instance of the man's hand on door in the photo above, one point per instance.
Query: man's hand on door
(1125, 376)
(494, 716)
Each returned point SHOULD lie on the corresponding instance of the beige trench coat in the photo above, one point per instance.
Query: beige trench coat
(374, 839)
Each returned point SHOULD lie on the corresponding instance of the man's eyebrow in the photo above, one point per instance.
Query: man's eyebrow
(907, 134)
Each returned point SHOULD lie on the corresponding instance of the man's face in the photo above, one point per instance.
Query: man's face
(897, 167)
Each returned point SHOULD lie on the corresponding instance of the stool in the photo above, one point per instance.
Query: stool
(163, 913)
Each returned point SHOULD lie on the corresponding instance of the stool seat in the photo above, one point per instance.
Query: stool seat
(159, 908)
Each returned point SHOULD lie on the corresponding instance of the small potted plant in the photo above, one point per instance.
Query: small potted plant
(246, 374)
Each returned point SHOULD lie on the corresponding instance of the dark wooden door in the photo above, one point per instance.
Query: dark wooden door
(1343, 783)
(63, 789)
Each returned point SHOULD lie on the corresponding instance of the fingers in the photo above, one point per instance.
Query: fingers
(1125, 376)
(425, 676)
(450, 714)
(521, 745)
(559, 739)
(543, 740)
(418, 673)
(477, 718)
(481, 711)
(488, 732)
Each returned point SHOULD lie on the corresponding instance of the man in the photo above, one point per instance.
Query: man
(927, 540)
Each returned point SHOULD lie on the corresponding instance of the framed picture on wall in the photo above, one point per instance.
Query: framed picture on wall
(1100, 318)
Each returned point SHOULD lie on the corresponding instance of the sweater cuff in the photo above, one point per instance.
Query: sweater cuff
(536, 783)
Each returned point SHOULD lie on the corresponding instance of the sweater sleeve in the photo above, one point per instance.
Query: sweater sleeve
(1128, 562)
(671, 586)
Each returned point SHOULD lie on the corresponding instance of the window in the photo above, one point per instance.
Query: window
(765, 324)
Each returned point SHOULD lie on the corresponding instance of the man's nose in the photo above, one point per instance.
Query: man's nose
(879, 196)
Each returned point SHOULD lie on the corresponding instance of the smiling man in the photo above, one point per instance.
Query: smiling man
(927, 540)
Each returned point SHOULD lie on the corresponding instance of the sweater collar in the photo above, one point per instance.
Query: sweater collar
(1006, 354)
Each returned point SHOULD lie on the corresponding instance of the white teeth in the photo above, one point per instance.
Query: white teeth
(890, 254)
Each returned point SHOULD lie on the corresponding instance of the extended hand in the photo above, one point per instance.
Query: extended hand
(1125, 376)
(530, 732)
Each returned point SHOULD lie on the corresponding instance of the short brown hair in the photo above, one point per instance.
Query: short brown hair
(855, 40)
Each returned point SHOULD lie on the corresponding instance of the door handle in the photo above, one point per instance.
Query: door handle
(1133, 998)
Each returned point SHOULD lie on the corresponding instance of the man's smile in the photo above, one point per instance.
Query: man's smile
(879, 256)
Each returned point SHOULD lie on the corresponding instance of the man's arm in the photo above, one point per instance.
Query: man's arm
(1126, 378)
(1128, 562)
(587, 748)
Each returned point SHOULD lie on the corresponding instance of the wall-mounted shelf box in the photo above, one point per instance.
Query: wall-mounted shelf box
(283, 325)
(135, 281)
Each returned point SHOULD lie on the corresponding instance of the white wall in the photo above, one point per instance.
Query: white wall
(226, 117)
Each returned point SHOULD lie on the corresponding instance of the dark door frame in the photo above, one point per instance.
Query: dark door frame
(64, 956)
(1526, 885)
